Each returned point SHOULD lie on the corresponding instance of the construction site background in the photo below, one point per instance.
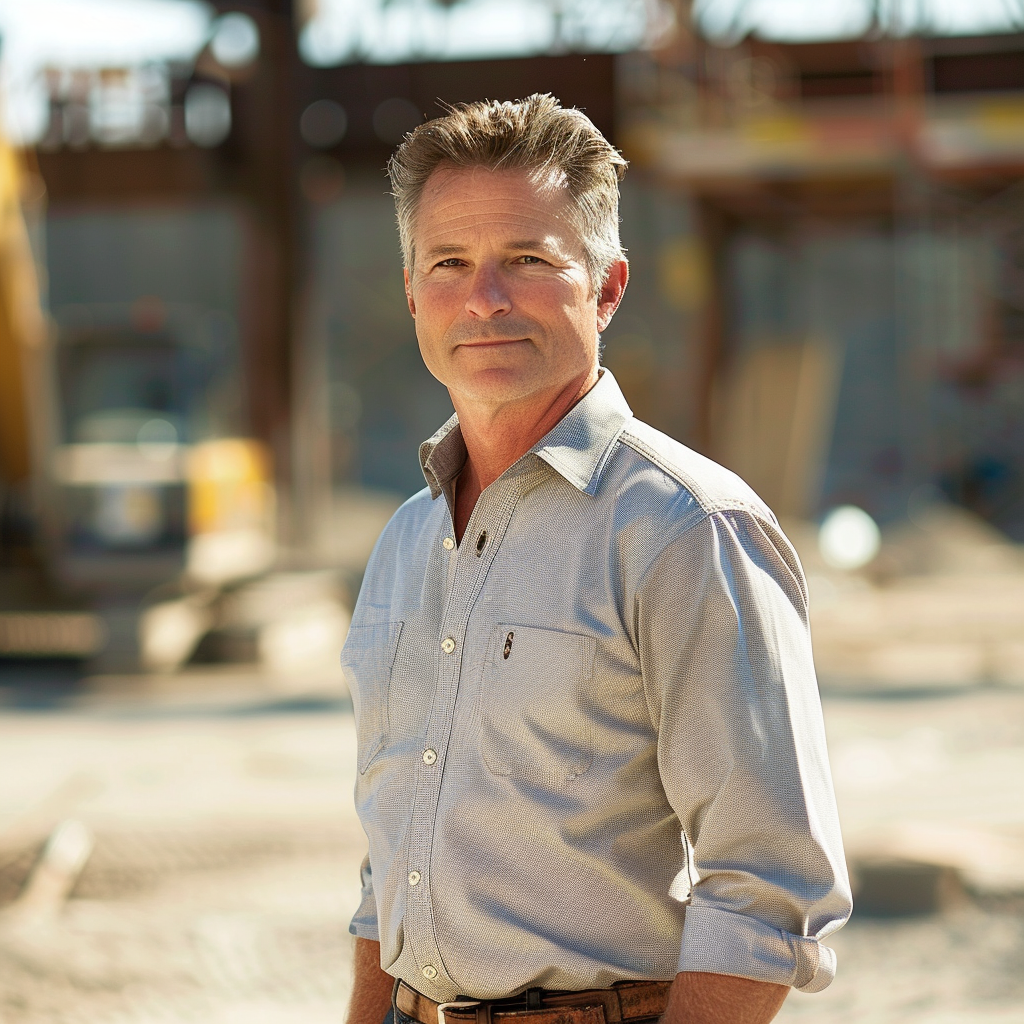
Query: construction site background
(211, 402)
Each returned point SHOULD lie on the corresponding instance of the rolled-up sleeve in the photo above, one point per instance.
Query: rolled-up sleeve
(364, 921)
(722, 631)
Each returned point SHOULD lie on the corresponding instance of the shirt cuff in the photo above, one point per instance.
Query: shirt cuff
(721, 942)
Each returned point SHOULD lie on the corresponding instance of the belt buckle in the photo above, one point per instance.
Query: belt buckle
(457, 1004)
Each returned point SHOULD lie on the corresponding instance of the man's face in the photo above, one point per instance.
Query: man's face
(504, 305)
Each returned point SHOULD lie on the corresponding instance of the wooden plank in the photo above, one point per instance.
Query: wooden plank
(774, 420)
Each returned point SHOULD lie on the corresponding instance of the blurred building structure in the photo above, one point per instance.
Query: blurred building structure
(221, 274)
(859, 217)
(826, 245)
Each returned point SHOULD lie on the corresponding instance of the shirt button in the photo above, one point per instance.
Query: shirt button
(430, 972)
(448, 645)
(429, 755)
(448, 543)
(414, 877)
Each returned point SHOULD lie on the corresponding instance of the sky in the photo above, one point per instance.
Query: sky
(387, 31)
(96, 33)
(87, 33)
(795, 20)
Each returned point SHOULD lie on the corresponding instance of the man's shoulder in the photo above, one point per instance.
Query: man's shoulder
(708, 486)
(406, 524)
(412, 513)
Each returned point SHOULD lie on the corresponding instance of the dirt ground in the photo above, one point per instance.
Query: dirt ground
(224, 869)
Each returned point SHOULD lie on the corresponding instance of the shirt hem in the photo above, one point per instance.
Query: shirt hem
(364, 930)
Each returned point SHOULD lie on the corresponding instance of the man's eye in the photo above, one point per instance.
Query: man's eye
(531, 260)
(452, 261)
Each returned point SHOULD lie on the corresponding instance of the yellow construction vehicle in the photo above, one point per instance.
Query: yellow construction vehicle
(21, 325)
(34, 621)
(103, 492)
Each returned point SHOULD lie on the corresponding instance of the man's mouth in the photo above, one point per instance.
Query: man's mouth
(492, 342)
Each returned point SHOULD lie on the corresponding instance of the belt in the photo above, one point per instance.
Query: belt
(625, 1001)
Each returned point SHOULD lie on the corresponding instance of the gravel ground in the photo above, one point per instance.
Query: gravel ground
(212, 949)
(224, 870)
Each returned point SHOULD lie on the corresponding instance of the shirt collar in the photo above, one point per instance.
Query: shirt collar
(442, 456)
(577, 447)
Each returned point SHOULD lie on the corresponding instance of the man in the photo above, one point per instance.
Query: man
(592, 768)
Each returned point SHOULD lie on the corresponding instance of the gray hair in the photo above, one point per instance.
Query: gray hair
(537, 135)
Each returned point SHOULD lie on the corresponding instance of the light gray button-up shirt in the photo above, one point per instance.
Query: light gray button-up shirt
(590, 740)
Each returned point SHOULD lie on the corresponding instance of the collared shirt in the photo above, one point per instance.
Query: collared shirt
(590, 740)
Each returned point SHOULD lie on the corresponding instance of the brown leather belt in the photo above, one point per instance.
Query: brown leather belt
(626, 1001)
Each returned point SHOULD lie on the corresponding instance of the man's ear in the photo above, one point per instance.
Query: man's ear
(408, 292)
(611, 293)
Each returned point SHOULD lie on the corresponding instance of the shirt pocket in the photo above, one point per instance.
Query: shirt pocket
(367, 659)
(534, 725)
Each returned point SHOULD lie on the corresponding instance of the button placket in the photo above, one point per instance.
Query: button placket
(467, 572)
(450, 557)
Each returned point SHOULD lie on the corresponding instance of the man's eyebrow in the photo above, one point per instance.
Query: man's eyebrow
(516, 245)
(532, 243)
(444, 250)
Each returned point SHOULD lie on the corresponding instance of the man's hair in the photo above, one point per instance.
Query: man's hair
(537, 135)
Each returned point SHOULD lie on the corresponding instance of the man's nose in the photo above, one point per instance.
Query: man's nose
(488, 295)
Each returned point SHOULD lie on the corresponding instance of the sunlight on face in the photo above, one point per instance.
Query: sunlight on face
(504, 306)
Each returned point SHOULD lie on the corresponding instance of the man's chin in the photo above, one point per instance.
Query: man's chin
(499, 385)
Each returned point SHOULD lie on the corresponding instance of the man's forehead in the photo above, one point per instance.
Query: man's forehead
(461, 202)
(463, 207)
(550, 182)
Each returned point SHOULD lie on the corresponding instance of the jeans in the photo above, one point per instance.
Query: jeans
(395, 1016)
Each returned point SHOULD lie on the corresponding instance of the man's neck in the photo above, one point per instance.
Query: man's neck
(497, 437)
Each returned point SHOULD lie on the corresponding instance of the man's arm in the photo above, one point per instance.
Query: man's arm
(371, 988)
(700, 998)
(722, 630)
